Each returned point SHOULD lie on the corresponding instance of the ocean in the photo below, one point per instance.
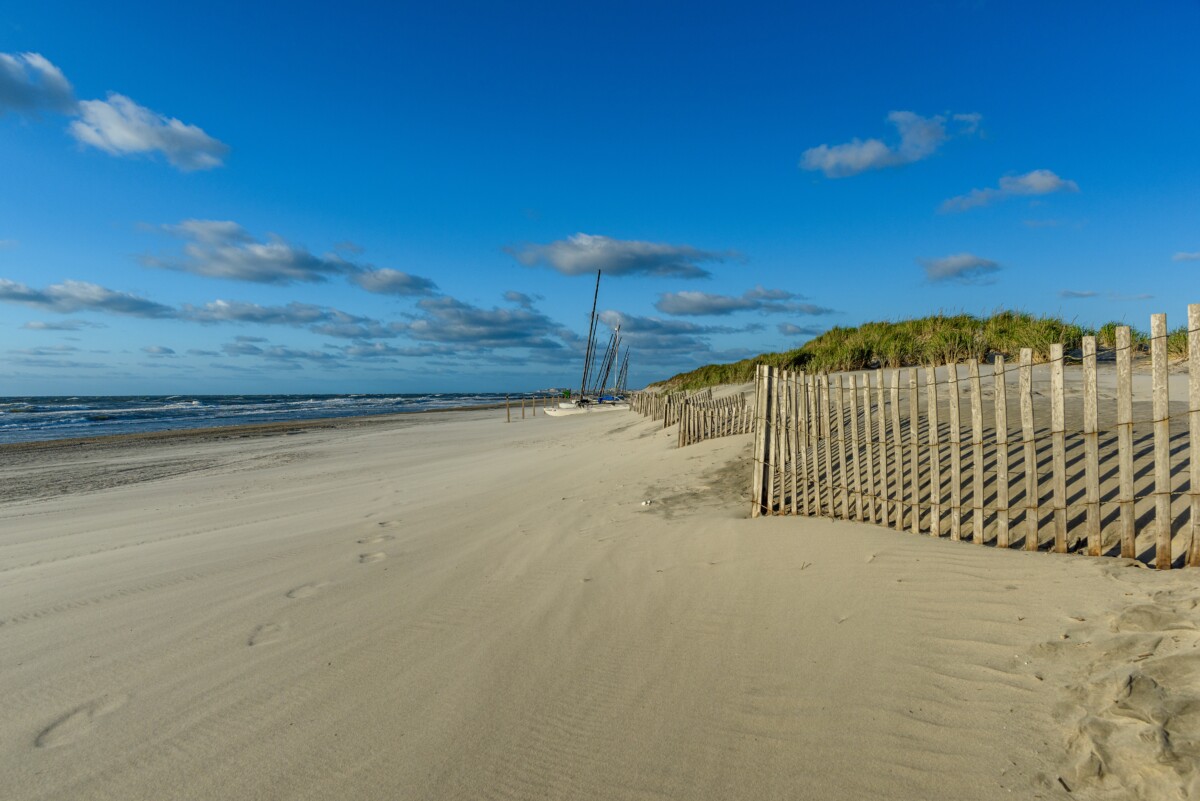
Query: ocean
(43, 418)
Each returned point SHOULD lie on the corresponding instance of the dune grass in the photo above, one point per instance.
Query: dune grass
(939, 339)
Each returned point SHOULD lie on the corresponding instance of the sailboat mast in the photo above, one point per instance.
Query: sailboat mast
(623, 375)
(587, 356)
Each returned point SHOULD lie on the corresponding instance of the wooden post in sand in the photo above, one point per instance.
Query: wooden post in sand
(1162, 442)
(1125, 441)
(884, 474)
(507, 411)
(898, 450)
(1091, 450)
(760, 440)
(1193, 554)
(1058, 436)
(780, 439)
(522, 407)
(934, 452)
(955, 455)
(794, 439)
(1029, 444)
(976, 451)
(914, 451)
(843, 480)
(1001, 392)
(855, 447)
(814, 439)
(869, 437)
(827, 435)
(805, 441)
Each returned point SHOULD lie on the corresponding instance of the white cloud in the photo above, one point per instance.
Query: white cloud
(386, 281)
(450, 321)
(64, 325)
(73, 296)
(158, 350)
(920, 137)
(121, 127)
(766, 301)
(1077, 294)
(1185, 256)
(1036, 182)
(223, 249)
(959, 267)
(582, 254)
(29, 83)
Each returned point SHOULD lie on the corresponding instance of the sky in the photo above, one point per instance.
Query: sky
(411, 197)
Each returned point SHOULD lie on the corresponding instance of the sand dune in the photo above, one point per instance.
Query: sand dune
(553, 609)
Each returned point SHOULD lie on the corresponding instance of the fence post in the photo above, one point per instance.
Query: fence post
(914, 453)
(1001, 391)
(955, 455)
(1193, 554)
(977, 524)
(843, 479)
(1091, 450)
(1162, 442)
(827, 431)
(780, 440)
(898, 450)
(1030, 447)
(507, 411)
(1058, 444)
(761, 404)
(869, 436)
(935, 453)
(793, 440)
(1125, 441)
(885, 476)
(814, 406)
(855, 447)
(805, 441)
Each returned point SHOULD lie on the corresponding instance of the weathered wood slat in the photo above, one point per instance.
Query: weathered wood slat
(1091, 450)
(856, 450)
(977, 519)
(955, 440)
(1029, 446)
(1002, 466)
(914, 452)
(1162, 442)
(934, 453)
(869, 436)
(897, 451)
(1125, 442)
(1058, 448)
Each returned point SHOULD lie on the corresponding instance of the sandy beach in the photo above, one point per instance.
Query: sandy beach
(445, 606)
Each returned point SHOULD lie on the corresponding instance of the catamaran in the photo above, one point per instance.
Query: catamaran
(596, 394)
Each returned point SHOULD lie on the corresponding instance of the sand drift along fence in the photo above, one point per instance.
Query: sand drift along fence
(1106, 462)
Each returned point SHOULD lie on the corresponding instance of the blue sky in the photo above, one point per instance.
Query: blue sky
(231, 197)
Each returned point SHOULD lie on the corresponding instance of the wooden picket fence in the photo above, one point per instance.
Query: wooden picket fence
(711, 418)
(665, 407)
(863, 446)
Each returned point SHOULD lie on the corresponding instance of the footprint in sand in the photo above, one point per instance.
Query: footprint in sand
(79, 721)
(376, 539)
(368, 558)
(266, 633)
(307, 590)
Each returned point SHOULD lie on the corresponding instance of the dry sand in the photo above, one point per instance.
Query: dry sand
(449, 607)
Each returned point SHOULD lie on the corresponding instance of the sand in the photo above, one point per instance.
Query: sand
(452, 607)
